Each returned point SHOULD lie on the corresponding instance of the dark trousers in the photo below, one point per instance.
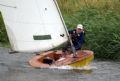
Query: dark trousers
(67, 47)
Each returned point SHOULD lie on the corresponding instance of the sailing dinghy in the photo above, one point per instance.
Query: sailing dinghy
(53, 59)
(36, 26)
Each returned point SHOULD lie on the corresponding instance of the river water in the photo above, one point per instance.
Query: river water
(15, 67)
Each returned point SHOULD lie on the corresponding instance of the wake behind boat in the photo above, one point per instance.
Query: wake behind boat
(57, 59)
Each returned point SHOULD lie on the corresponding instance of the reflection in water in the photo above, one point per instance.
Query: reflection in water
(82, 71)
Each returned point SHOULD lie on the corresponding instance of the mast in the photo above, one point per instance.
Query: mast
(69, 37)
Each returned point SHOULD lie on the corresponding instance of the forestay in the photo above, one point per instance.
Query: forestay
(33, 25)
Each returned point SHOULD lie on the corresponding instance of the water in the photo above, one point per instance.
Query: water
(15, 67)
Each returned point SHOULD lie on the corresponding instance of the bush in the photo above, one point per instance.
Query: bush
(3, 34)
(102, 30)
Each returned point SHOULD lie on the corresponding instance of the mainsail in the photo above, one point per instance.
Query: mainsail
(33, 25)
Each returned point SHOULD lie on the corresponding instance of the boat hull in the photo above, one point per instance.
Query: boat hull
(83, 62)
(83, 58)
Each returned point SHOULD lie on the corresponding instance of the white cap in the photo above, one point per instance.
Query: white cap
(80, 26)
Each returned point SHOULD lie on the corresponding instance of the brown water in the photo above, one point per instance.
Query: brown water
(15, 68)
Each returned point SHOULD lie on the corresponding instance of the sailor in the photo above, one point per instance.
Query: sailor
(78, 38)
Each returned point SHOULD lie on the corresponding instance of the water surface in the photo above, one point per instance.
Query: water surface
(15, 67)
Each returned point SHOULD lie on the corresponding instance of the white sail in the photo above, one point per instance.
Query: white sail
(33, 25)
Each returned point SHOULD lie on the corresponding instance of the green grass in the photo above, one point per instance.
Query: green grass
(70, 6)
(101, 20)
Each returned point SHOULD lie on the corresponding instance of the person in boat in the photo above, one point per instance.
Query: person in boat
(77, 36)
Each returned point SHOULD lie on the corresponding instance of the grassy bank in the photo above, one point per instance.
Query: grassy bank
(101, 21)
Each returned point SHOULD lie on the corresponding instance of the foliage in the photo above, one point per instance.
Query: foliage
(101, 21)
(3, 34)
